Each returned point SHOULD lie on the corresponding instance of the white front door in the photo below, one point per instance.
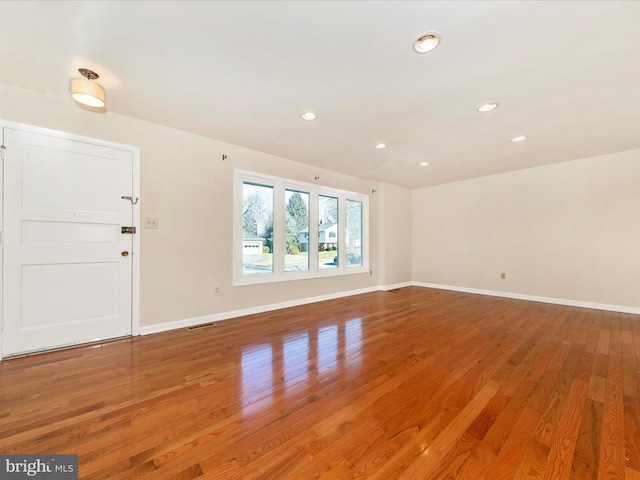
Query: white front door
(67, 279)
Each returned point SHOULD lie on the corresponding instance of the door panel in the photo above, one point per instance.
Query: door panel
(48, 302)
(83, 182)
(48, 233)
(65, 280)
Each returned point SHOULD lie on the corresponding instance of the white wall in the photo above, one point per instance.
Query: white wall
(568, 231)
(395, 235)
(187, 185)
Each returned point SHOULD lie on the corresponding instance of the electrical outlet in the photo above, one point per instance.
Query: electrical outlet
(503, 275)
(151, 222)
(216, 290)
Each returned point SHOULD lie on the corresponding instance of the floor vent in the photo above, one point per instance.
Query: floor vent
(203, 325)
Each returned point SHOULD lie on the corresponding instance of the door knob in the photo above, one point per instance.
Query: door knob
(124, 253)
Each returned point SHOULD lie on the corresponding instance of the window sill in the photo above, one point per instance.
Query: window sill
(260, 279)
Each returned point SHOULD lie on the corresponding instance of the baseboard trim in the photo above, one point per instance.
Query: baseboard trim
(386, 288)
(532, 298)
(217, 317)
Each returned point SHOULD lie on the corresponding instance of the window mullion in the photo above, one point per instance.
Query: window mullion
(278, 229)
(313, 231)
(342, 231)
(237, 244)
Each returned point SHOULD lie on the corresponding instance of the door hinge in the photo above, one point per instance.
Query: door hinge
(129, 230)
(1, 238)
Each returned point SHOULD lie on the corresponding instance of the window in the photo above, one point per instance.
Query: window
(353, 242)
(327, 232)
(257, 228)
(275, 238)
(296, 225)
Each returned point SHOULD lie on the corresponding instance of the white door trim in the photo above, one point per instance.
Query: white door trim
(135, 152)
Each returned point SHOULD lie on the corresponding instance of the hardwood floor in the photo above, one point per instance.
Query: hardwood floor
(408, 384)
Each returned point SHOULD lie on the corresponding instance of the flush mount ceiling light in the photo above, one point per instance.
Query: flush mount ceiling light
(487, 107)
(519, 139)
(424, 164)
(86, 91)
(309, 116)
(380, 146)
(426, 42)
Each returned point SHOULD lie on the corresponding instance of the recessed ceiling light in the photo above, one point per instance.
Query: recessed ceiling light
(380, 146)
(309, 116)
(518, 139)
(487, 107)
(424, 164)
(426, 42)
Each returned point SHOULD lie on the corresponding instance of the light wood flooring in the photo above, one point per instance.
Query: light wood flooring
(408, 384)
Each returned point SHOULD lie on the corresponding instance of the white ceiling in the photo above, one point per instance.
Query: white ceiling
(565, 73)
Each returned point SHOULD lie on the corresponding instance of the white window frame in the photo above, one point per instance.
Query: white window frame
(279, 274)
